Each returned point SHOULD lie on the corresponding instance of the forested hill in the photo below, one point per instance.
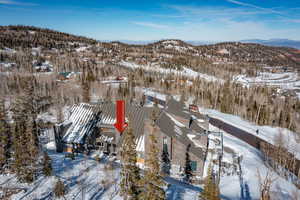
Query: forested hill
(30, 37)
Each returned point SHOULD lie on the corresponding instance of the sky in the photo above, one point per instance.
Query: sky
(144, 20)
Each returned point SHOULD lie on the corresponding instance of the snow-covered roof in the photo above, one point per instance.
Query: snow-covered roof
(155, 94)
(84, 117)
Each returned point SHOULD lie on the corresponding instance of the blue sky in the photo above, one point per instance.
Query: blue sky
(202, 20)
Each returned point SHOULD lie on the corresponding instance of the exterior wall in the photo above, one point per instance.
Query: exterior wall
(178, 156)
(176, 150)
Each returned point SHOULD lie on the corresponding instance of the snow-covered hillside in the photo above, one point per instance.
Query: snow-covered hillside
(285, 80)
(156, 68)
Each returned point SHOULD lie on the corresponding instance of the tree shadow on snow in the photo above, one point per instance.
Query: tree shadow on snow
(177, 189)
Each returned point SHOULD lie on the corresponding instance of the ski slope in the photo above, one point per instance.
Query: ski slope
(156, 68)
(284, 80)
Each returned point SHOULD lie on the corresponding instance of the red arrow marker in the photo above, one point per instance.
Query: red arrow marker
(120, 124)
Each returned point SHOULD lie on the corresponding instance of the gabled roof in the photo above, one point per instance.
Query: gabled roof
(83, 119)
(167, 125)
(179, 108)
(176, 129)
(135, 113)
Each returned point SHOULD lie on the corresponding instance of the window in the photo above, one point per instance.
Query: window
(194, 165)
(165, 144)
(165, 148)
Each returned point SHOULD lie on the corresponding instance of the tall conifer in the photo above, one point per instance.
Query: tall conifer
(25, 141)
(130, 173)
(4, 137)
(152, 181)
(211, 189)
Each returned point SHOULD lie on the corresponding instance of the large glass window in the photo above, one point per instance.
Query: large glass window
(194, 165)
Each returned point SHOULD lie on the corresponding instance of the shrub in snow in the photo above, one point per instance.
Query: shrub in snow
(59, 189)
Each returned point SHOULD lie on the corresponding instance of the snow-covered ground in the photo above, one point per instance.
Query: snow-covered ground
(286, 80)
(85, 177)
(173, 44)
(115, 82)
(83, 48)
(156, 68)
(266, 133)
(82, 174)
(7, 65)
(247, 187)
(8, 50)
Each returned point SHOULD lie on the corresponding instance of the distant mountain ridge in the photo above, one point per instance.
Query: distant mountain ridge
(275, 42)
(271, 42)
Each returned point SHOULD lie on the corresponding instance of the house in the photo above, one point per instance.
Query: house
(178, 131)
(63, 76)
(75, 133)
(193, 108)
(43, 66)
(181, 133)
(7, 65)
(153, 97)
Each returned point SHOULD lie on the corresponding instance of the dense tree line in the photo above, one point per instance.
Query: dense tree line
(29, 36)
(20, 150)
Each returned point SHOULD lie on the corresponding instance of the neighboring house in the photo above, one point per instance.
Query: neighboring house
(155, 98)
(183, 132)
(63, 76)
(178, 131)
(7, 65)
(43, 66)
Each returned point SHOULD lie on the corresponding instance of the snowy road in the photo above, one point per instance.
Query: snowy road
(243, 135)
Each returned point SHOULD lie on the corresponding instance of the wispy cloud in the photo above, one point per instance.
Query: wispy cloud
(168, 16)
(10, 2)
(151, 25)
(292, 20)
(253, 6)
(208, 14)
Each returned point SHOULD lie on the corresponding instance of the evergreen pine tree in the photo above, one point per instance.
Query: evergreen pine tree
(4, 137)
(188, 168)
(47, 168)
(86, 90)
(25, 135)
(211, 189)
(152, 181)
(155, 112)
(130, 173)
(165, 165)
